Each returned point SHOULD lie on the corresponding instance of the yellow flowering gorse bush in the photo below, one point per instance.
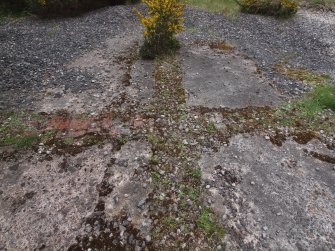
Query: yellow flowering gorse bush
(163, 21)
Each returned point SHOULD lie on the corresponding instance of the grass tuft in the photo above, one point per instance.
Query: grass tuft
(303, 74)
(206, 223)
(323, 97)
(229, 7)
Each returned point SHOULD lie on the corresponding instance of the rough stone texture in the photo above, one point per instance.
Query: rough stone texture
(128, 188)
(44, 203)
(215, 78)
(35, 54)
(271, 197)
(108, 65)
(142, 81)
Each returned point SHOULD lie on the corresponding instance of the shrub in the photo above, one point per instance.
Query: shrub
(163, 21)
(269, 7)
(57, 7)
(67, 7)
(12, 6)
(321, 4)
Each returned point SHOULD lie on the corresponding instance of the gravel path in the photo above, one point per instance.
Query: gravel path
(307, 40)
(34, 53)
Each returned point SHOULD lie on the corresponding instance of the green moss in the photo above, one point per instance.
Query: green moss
(211, 127)
(229, 7)
(27, 141)
(303, 74)
(196, 173)
(208, 225)
(310, 110)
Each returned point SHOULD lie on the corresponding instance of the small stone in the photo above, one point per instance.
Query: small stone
(148, 238)
(126, 195)
(141, 203)
(252, 183)
(219, 247)
(267, 137)
(208, 186)
(265, 228)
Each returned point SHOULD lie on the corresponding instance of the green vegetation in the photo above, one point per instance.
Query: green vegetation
(196, 173)
(16, 129)
(49, 8)
(322, 4)
(269, 7)
(27, 141)
(163, 21)
(303, 74)
(211, 127)
(311, 110)
(323, 97)
(233, 7)
(210, 227)
(229, 7)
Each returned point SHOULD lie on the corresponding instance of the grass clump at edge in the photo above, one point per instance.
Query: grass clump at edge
(229, 7)
(323, 97)
(208, 225)
(316, 110)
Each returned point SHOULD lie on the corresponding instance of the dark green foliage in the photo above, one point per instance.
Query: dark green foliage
(280, 8)
(151, 50)
(47, 8)
(323, 97)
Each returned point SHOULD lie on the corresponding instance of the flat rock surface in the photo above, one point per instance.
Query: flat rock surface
(49, 202)
(271, 197)
(217, 78)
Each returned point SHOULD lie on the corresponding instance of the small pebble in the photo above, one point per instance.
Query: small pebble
(148, 238)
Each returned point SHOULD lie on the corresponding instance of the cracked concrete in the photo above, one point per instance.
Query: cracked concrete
(217, 78)
(271, 197)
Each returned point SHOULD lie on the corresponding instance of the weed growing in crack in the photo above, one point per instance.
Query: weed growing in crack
(311, 110)
(17, 129)
(177, 194)
(209, 226)
(196, 173)
(211, 127)
(303, 74)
